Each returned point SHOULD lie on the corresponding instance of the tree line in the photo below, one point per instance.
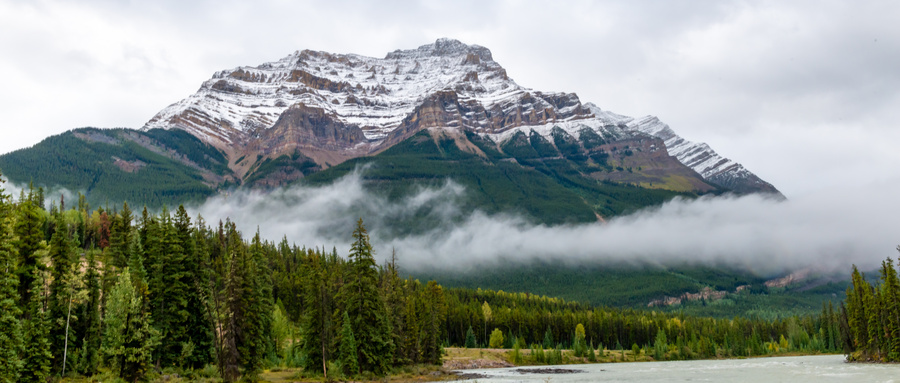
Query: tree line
(129, 295)
(871, 316)
(112, 293)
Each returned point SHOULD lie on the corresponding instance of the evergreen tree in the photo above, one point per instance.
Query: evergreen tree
(548, 339)
(412, 341)
(471, 342)
(348, 348)
(28, 231)
(62, 256)
(256, 343)
(316, 333)
(891, 310)
(366, 307)
(433, 323)
(90, 317)
(579, 345)
(128, 337)
(660, 345)
(120, 237)
(10, 327)
(36, 355)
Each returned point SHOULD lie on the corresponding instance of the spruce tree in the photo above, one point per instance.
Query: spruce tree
(433, 323)
(316, 338)
(258, 316)
(10, 327)
(36, 355)
(348, 348)
(471, 342)
(90, 319)
(62, 256)
(548, 339)
(29, 234)
(366, 307)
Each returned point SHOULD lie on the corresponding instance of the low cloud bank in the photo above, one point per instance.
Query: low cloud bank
(827, 231)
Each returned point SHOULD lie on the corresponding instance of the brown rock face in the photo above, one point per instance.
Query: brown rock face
(301, 126)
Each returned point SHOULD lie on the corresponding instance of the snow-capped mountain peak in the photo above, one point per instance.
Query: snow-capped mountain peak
(333, 107)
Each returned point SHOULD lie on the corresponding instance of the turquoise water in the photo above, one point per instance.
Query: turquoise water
(794, 369)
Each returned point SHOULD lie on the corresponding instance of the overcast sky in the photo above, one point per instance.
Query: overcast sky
(806, 94)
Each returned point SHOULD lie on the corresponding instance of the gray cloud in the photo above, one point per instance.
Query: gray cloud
(827, 231)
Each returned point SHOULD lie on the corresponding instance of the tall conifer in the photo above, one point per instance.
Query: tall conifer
(365, 306)
(10, 327)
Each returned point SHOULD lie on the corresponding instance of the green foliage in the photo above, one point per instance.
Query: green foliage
(660, 345)
(36, 356)
(579, 345)
(870, 325)
(348, 348)
(28, 234)
(635, 286)
(548, 339)
(90, 320)
(496, 339)
(11, 342)
(128, 336)
(365, 307)
(471, 342)
(284, 165)
(88, 164)
(550, 191)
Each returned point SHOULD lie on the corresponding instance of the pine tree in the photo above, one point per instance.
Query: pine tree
(366, 308)
(412, 340)
(891, 309)
(36, 355)
(120, 237)
(197, 330)
(348, 348)
(62, 256)
(660, 345)
(90, 317)
(10, 327)
(433, 323)
(258, 320)
(548, 339)
(316, 338)
(471, 342)
(28, 232)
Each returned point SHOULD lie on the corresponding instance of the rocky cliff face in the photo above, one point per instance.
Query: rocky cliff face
(333, 107)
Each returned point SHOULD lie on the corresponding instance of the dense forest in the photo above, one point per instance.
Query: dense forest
(119, 295)
(873, 316)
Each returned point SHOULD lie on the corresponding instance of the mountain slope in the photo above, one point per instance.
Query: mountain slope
(151, 168)
(334, 107)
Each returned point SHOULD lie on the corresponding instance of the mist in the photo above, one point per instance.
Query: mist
(826, 231)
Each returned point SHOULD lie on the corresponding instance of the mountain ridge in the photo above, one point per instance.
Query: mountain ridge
(362, 105)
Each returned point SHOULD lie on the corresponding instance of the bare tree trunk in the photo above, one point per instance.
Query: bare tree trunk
(66, 343)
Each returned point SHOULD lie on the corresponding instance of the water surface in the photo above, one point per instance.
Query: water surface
(794, 369)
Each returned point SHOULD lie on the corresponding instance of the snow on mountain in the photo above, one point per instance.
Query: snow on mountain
(340, 106)
(703, 159)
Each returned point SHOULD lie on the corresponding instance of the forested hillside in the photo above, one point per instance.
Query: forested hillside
(115, 294)
(732, 292)
(552, 191)
(150, 168)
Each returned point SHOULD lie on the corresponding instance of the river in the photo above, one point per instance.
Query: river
(794, 369)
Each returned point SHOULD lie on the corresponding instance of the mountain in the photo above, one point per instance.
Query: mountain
(322, 114)
(154, 167)
(333, 107)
